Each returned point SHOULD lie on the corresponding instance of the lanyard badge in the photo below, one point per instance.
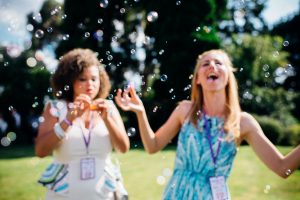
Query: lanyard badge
(218, 188)
(87, 165)
(87, 168)
(217, 183)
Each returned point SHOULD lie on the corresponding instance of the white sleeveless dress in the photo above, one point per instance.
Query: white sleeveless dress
(72, 149)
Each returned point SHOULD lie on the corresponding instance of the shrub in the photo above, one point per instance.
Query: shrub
(294, 134)
(272, 128)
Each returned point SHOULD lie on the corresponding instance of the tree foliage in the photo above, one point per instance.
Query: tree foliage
(289, 30)
(172, 41)
(259, 61)
(244, 17)
(155, 44)
(24, 90)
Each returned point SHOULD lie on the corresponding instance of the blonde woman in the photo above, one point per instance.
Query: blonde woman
(210, 126)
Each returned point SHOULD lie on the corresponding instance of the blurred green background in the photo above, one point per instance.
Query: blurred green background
(154, 45)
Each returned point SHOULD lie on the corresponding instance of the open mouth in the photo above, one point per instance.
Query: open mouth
(212, 77)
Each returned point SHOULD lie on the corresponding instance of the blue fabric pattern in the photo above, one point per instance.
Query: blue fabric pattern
(194, 164)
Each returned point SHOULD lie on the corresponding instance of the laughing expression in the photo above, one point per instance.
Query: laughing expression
(212, 73)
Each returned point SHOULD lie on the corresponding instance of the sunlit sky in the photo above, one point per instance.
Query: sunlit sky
(277, 9)
(13, 16)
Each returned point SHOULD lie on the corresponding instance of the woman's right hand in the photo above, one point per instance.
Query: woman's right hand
(129, 103)
(81, 103)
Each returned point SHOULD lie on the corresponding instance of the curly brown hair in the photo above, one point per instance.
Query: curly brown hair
(70, 66)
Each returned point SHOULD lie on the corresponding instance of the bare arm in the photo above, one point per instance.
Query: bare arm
(266, 151)
(46, 140)
(153, 142)
(115, 126)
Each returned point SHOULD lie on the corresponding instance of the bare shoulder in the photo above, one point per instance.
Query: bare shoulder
(184, 106)
(183, 109)
(50, 110)
(50, 116)
(247, 124)
(112, 108)
(110, 103)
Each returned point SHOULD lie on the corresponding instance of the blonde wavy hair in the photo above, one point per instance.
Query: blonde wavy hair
(232, 106)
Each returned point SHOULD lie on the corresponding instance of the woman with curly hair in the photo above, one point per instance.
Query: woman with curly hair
(80, 128)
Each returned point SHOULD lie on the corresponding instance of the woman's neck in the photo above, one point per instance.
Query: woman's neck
(214, 103)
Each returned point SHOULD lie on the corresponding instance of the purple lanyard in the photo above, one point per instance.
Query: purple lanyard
(207, 130)
(88, 139)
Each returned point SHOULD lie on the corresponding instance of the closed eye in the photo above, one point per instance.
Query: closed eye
(205, 64)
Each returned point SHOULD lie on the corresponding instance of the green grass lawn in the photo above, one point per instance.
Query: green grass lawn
(250, 179)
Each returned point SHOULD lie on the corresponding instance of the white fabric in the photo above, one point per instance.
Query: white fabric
(72, 149)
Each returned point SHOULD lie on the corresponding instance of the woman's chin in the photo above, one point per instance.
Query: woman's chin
(91, 95)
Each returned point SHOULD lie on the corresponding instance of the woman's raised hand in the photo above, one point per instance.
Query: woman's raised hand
(103, 106)
(128, 100)
(81, 103)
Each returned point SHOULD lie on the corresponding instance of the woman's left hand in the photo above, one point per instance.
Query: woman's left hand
(103, 107)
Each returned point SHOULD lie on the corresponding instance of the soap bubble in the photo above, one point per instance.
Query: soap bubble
(152, 16)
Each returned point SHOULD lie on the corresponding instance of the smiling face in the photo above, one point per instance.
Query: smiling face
(212, 73)
(88, 82)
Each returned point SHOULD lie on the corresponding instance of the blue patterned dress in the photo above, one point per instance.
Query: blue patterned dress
(194, 164)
